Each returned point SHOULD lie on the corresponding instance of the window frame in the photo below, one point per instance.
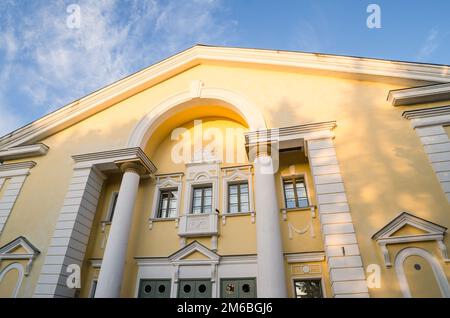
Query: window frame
(238, 183)
(294, 178)
(202, 207)
(159, 205)
(93, 288)
(112, 206)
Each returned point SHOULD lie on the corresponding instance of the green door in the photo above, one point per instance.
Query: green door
(151, 288)
(238, 288)
(194, 288)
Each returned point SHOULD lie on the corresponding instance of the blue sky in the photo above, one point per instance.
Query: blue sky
(44, 64)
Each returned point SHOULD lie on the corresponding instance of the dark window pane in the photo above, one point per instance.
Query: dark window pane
(167, 203)
(295, 193)
(308, 288)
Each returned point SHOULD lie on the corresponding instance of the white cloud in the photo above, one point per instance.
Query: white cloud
(431, 44)
(52, 64)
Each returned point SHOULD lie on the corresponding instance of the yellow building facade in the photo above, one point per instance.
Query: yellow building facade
(226, 172)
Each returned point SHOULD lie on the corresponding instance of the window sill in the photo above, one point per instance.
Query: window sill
(285, 211)
(225, 215)
(151, 220)
(103, 224)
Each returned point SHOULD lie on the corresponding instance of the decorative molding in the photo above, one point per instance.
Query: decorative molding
(197, 174)
(71, 234)
(178, 257)
(7, 252)
(111, 159)
(419, 95)
(437, 270)
(23, 152)
(309, 227)
(428, 116)
(19, 268)
(236, 174)
(305, 257)
(166, 181)
(434, 232)
(122, 89)
(12, 178)
(214, 267)
(285, 134)
(96, 262)
(429, 126)
(170, 106)
(16, 169)
(341, 245)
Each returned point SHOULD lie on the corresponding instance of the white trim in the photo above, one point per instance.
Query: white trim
(422, 94)
(437, 270)
(335, 235)
(237, 174)
(16, 173)
(19, 268)
(113, 198)
(120, 90)
(150, 122)
(434, 232)
(71, 235)
(304, 257)
(429, 125)
(215, 268)
(23, 152)
(7, 252)
(192, 248)
(163, 182)
(110, 160)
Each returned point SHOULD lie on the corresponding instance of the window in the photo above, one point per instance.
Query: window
(238, 197)
(112, 206)
(309, 288)
(202, 200)
(168, 203)
(93, 289)
(295, 193)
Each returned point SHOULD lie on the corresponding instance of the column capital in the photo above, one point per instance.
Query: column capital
(132, 166)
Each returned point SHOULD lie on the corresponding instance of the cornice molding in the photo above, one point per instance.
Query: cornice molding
(304, 257)
(133, 84)
(304, 132)
(417, 95)
(23, 152)
(428, 116)
(16, 169)
(427, 112)
(118, 156)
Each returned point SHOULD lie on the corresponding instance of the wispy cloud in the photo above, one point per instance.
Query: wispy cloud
(45, 64)
(431, 44)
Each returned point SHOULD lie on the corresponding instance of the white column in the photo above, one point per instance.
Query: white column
(111, 272)
(271, 274)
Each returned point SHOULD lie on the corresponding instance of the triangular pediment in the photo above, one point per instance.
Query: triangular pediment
(19, 246)
(408, 226)
(194, 252)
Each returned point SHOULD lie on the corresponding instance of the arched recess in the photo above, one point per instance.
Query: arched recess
(197, 95)
(437, 270)
(21, 272)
